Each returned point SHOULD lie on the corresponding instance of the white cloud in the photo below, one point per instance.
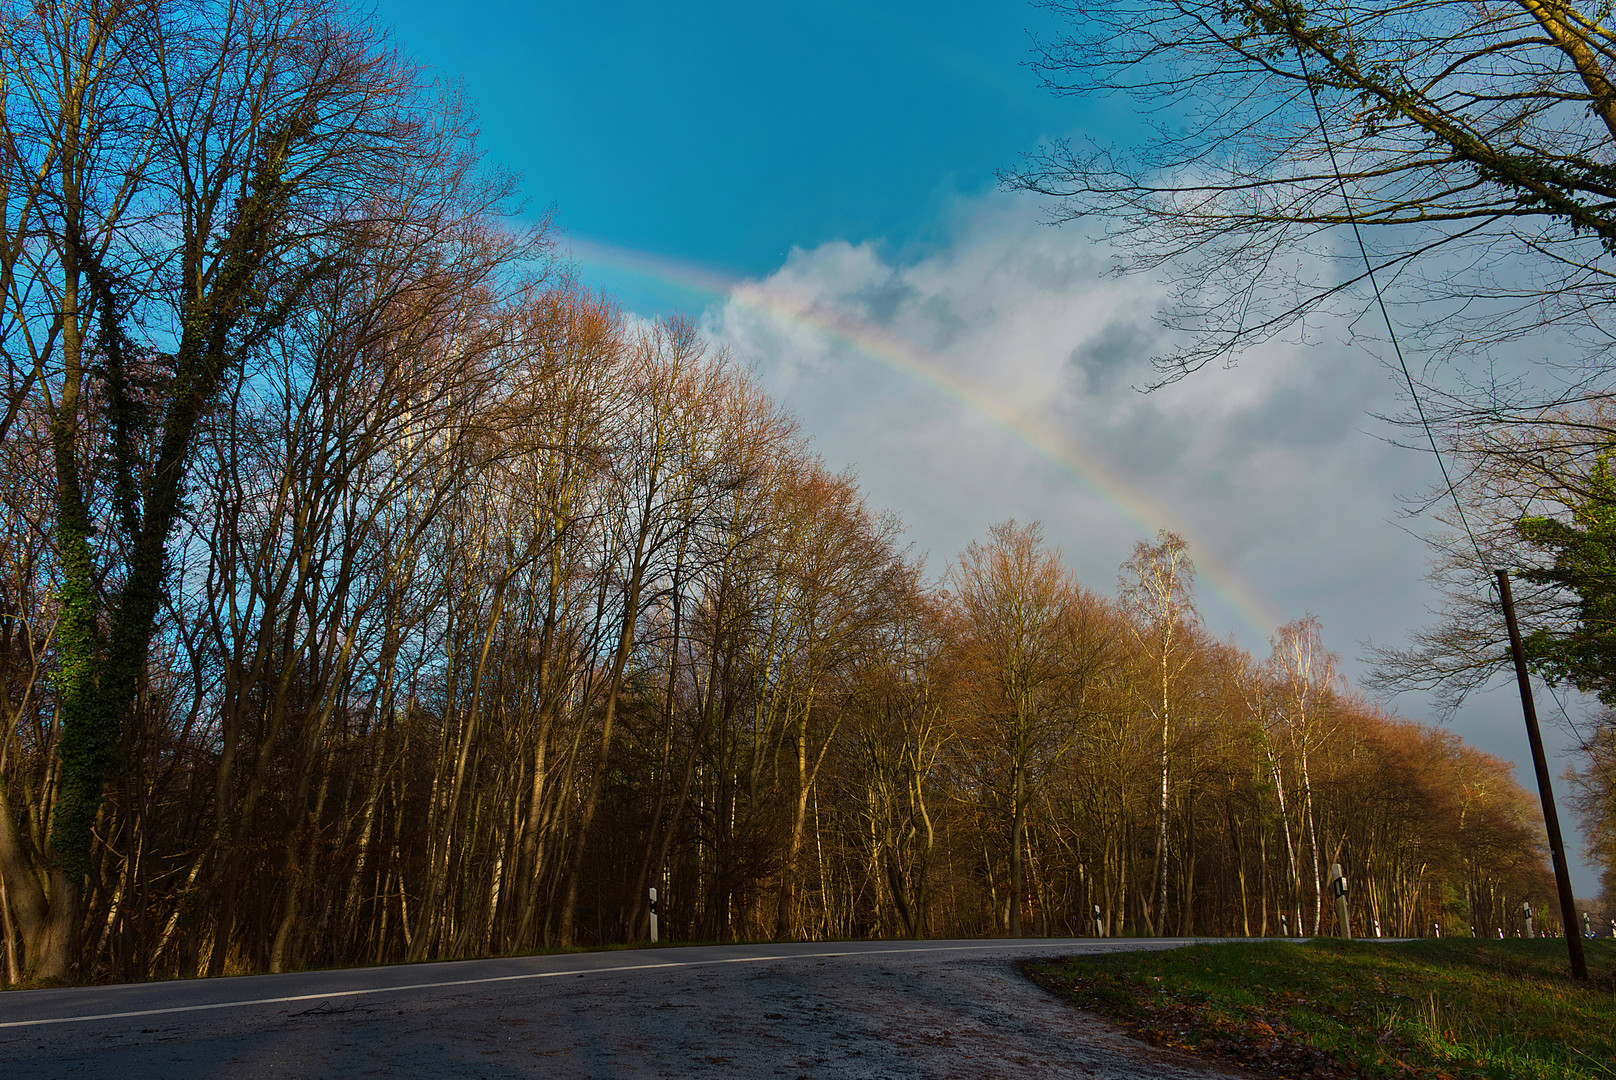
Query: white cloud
(1265, 467)
(1273, 469)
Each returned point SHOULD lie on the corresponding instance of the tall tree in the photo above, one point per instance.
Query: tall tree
(1157, 586)
(189, 176)
(1029, 655)
(1304, 674)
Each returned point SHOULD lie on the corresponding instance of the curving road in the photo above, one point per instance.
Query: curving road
(933, 1009)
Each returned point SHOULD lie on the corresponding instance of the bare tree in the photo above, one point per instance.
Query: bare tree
(1157, 586)
(1030, 661)
(1304, 674)
(193, 174)
(1465, 143)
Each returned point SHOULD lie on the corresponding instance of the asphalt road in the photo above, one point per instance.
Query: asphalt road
(933, 1009)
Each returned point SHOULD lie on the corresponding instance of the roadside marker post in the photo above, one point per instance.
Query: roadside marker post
(1284, 927)
(1526, 906)
(653, 916)
(1099, 927)
(1338, 889)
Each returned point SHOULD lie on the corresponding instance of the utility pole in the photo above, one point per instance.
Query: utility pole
(1551, 819)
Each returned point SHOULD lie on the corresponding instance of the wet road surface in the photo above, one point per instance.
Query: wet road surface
(942, 1010)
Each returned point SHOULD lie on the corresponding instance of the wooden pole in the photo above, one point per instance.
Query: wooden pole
(1551, 819)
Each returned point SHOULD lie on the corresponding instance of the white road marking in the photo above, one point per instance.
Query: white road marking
(329, 995)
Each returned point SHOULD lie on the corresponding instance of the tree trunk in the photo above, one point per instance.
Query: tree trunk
(1017, 823)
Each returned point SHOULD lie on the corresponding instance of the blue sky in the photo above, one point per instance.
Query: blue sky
(842, 157)
(728, 134)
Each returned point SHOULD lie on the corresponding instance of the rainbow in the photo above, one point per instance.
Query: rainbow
(1144, 516)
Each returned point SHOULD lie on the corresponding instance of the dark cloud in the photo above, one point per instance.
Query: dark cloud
(944, 323)
(881, 301)
(1120, 350)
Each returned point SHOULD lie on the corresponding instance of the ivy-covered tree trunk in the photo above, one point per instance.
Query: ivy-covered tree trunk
(97, 677)
(124, 417)
(88, 735)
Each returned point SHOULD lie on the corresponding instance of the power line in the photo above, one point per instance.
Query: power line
(1579, 967)
(1391, 331)
(1369, 268)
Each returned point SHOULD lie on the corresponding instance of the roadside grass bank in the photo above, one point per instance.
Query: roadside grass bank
(1437, 1009)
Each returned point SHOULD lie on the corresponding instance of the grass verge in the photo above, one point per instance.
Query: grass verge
(1448, 1009)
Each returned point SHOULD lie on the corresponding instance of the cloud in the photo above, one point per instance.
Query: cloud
(994, 376)
(927, 374)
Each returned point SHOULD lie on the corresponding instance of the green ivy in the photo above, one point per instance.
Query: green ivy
(89, 739)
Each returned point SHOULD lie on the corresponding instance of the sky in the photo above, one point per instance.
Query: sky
(816, 185)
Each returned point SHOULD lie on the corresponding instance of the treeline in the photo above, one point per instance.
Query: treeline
(373, 592)
(467, 661)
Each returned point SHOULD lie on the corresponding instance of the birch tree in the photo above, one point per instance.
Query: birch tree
(1156, 587)
(1305, 677)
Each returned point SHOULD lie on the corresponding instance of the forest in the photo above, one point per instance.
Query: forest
(373, 591)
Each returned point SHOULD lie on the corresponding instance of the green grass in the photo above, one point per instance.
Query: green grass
(1448, 1009)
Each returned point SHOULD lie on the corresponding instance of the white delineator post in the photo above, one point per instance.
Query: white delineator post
(1099, 927)
(653, 916)
(1338, 888)
(1526, 906)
